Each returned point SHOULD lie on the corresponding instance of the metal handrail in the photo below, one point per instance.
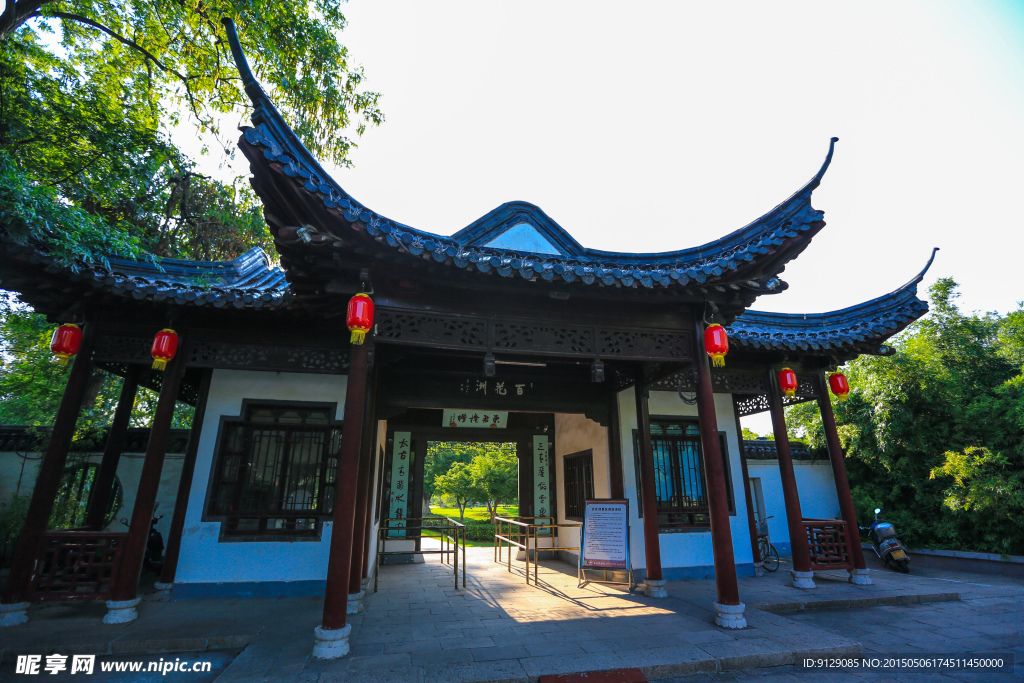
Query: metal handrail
(499, 538)
(532, 534)
(447, 525)
(536, 549)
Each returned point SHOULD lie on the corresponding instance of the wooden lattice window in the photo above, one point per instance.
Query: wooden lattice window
(276, 471)
(579, 483)
(679, 475)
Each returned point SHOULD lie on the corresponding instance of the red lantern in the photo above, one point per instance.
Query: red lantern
(165, 345)
(716, 343)
(840, 387)
(360, 317)
(65, 342)
(787, 382)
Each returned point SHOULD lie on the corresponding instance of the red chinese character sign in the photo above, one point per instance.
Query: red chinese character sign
(401, 457)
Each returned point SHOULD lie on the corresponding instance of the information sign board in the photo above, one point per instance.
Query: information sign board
(605, 535)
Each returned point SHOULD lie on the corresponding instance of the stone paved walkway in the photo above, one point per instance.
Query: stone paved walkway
(418, 628)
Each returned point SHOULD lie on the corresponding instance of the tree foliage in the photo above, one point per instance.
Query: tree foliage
(458, 486)
(88, 92)
(497, 476)
(472, 472)
(31, 384)
(88, 89)
(934, 435)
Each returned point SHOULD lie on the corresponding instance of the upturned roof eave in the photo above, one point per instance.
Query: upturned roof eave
(770, 241)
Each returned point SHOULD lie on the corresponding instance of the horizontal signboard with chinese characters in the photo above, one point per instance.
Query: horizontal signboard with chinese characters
(494, 419)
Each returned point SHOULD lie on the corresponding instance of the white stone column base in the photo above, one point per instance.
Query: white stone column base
(803, 580)
(759, 569)
(355, 603)
(121, 611)
(655, 589)
(163, 592)
(859, 577)
(331, 644)
(730, 616)
(14, 614)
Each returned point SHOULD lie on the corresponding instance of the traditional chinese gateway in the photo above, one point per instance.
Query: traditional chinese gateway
(596, 364)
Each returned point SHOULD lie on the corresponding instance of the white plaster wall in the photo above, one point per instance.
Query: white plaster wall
(382, 443)
(815, 486)
(687, 549)
(14, 478)
(203, 557)
(575, 433)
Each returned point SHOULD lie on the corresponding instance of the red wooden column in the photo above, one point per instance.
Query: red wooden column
(170, 564)
(751, 522)
(121, 606)
(104, 484)
(51, 469)
(803, 577)
(332, 634)
(363, 498)
(729, 609)
(858, 575)
(654, 585)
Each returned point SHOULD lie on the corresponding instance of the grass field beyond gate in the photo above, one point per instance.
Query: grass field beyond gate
(479, 531)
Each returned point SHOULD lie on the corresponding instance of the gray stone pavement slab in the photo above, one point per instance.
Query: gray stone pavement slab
(497, 628)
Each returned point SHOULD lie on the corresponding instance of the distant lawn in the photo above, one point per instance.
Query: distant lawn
(473, 515)
(479, 514)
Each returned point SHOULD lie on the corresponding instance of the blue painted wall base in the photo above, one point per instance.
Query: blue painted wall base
(249, 589)
(693, 573)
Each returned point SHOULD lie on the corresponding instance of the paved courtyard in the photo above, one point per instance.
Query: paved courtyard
(419, 628)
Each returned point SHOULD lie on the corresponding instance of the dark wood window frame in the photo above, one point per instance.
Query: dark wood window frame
(253, 491)
(680, 517)
(578, 482)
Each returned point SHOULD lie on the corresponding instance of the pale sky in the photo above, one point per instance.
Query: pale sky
(660, 126)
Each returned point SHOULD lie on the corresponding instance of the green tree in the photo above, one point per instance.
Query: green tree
(497, 476)
(88, 88)
(933, 430)
(441, 455)
(459, 487)
(32, 384)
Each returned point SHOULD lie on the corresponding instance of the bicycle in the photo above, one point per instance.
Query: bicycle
(769, 555)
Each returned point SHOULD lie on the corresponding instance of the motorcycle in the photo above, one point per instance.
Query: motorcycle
(153, 557)
(888, 548)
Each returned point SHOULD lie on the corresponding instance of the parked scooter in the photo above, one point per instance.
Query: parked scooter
(153, 557)
(888, 548)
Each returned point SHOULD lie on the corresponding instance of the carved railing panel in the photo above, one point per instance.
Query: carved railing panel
(566, 339)
(77, 565)
(829, 543)
(645, 345)
(430, 330)
(123, 348)
(207, 354)
(528, 336)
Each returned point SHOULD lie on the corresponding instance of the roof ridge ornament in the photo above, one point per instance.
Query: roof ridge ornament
(252, 87)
